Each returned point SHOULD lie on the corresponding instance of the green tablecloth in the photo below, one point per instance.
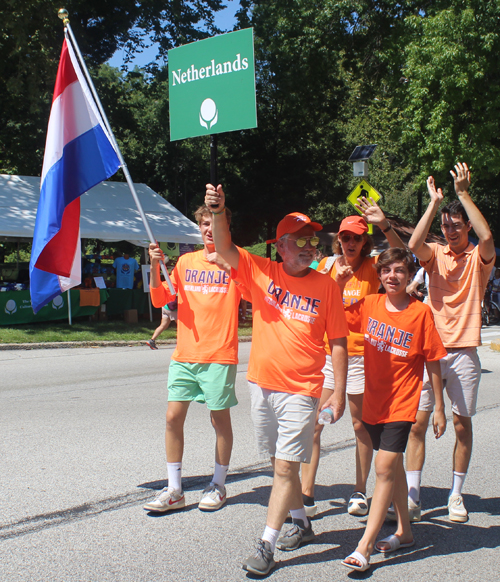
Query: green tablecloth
(15, 307)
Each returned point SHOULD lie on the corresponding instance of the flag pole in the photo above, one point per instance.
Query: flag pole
(70, 321)
(63, 15)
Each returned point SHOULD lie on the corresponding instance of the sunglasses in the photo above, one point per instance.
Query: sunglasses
(302, 241)
(345, 238)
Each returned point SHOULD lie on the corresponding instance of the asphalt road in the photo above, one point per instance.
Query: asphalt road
(82, 448)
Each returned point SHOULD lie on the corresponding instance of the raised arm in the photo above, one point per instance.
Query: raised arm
(215, 199)
(417, 244)
(373, 214)
(461, 178)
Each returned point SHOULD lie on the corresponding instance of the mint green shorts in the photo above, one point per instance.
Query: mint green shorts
(210, 383)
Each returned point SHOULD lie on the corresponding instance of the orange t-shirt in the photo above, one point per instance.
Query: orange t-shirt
(207, 312)
(290, 318)
(363, 282)
(456, 289)
(397, 344)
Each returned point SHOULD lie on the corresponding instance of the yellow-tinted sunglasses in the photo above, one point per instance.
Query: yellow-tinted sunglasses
(302, 241)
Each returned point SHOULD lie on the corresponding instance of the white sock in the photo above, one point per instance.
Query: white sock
(413, 480)
(174, 472)
(220, 474)
(299, 514)
(271, 535)
(458, 483)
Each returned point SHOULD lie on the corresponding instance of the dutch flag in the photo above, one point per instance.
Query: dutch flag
(78, 155)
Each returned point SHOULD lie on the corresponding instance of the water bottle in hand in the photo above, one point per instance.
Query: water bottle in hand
(325, 416)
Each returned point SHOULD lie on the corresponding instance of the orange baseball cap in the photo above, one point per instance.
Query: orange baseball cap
(292, 223)
(355, 224)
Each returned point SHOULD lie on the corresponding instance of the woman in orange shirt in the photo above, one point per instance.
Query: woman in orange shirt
(354, 245)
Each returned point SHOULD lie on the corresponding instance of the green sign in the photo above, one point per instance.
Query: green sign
(212, 86)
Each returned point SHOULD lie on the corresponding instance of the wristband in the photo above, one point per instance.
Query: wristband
(221, 212)
(384, 230)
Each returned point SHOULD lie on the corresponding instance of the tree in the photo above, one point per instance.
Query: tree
(451, 97)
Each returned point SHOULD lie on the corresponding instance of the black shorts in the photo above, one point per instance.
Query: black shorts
(389, 436)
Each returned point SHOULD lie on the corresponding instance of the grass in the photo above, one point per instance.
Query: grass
(84, 330)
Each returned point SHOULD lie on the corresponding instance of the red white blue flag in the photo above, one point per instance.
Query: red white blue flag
(78, 155)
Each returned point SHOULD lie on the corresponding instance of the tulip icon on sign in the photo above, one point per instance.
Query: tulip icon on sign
(10, 307)
(208, 113)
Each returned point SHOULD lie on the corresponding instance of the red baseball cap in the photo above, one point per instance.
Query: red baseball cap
(292, 223)
(355, 224)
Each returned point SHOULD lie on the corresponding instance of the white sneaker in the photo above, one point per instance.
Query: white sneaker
(358, 504)
(414, 511)
(456, 509)
(213, 497)
(166, 500)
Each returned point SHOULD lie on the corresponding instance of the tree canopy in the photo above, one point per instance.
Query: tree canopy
(417, 77)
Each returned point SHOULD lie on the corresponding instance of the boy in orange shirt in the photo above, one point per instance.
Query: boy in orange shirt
(203, 366)
(400, 336)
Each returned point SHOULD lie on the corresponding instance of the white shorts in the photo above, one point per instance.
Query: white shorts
(355, 375)
(461, 373)
(284, 423)
(167, 313)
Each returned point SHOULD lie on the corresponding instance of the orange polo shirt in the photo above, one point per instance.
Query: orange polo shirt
(456, 289)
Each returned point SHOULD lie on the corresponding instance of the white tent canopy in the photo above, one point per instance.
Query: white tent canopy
(108, 213)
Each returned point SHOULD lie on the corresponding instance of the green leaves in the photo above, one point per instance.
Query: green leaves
(418, 78)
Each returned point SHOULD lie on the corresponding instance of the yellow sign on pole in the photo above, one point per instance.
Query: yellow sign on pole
(366, 190)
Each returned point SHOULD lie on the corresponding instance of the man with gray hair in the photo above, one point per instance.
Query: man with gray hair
(293, 308)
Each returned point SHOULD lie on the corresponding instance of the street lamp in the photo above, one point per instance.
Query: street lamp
(359, 158)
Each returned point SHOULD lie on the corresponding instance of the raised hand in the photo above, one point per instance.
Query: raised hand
(435, 194)
(219, 261)
(155, 253)
(343, 274)
(215, 198)
(370, 210)
(461, 178)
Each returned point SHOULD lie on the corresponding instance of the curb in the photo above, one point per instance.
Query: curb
(93, 344)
